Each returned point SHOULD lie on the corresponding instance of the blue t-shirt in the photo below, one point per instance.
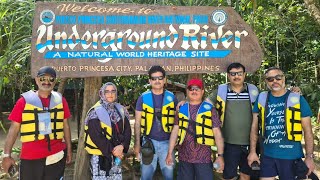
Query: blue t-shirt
(157, 132)
(276, 144)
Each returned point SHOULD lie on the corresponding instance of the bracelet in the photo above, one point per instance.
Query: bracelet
(221, 155)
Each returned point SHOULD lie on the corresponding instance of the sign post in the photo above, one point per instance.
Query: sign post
(98, 39)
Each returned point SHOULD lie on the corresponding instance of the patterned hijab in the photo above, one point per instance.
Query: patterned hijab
(109, 106)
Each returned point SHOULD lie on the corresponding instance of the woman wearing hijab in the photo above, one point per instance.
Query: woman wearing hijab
(107, 132)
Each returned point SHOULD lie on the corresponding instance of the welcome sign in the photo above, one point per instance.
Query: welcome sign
(98, 39)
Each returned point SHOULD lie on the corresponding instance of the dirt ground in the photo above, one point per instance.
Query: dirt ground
(130, 168)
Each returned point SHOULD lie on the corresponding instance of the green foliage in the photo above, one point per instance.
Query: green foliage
(15, 45)
(289, 40)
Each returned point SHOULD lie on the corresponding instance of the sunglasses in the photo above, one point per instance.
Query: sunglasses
(240, 73)
(194, 88)
(277, 77)
(109, 92)
(157, 77)
(43, 78)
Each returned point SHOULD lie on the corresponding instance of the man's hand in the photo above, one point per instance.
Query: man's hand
(118, 151)
(296, 89)
(137, 148)
(169, 160)
(69, 156)
(220, 161)
(310, 164)
(7, 162)
(252, 157)
(181, 103)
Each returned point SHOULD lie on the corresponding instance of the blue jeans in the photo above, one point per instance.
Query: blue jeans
(161, 151)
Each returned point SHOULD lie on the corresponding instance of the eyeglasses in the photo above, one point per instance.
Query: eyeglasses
(240, 73)
(110, 92)
(157, 77)
(194, 88)
(43, 78)
(277, 77)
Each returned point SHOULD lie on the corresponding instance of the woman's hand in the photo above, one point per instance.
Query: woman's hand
(118, 151)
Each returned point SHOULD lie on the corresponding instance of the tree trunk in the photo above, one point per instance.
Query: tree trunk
(62, 85)
(90, 97)
(313, 9)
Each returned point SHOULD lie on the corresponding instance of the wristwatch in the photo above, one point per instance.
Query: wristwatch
(312, 156)
(4, 155)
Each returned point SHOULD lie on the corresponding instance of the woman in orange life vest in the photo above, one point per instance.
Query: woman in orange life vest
(107, 132)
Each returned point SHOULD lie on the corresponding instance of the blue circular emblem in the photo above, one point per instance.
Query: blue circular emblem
(47, 17)
(219, 17)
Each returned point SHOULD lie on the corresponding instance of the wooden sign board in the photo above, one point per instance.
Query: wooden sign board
(99, 39)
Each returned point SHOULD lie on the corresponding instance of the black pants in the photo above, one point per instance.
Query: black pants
(37, 169)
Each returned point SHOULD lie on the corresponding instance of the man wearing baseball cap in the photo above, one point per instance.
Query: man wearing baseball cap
(41, 119)
(196, 129)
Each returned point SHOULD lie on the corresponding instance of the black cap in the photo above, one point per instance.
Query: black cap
(47, 70)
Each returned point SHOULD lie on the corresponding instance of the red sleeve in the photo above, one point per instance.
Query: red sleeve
(16, 113)
(66, 109)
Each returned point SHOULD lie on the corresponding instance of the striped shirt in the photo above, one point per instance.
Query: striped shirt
(243, 95)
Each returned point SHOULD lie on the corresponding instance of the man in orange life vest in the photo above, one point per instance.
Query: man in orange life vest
(41, 118)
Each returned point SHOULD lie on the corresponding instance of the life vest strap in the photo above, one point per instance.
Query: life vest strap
(48, 140)
(203, 125)
(105, 133)
(169, 124)
(145, 117)
(183, 119)
(90, 146)
(85, 140)
(170, 108)
(28, 122)
(220, 107)
(205, 117)
(55, 110)
(26, 133)
(202, 136)
(32, 111)
(57, 130)
(36, 133)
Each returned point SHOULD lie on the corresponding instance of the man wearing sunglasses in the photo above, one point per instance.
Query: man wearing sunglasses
(282, 118)
(234, 102)
(41, 119)
(197, 128)
(154, 119)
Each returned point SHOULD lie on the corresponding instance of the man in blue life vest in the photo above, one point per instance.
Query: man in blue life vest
(154, 120)
(234, 104)
(281, 117)
(41, 118)
(197, 128)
